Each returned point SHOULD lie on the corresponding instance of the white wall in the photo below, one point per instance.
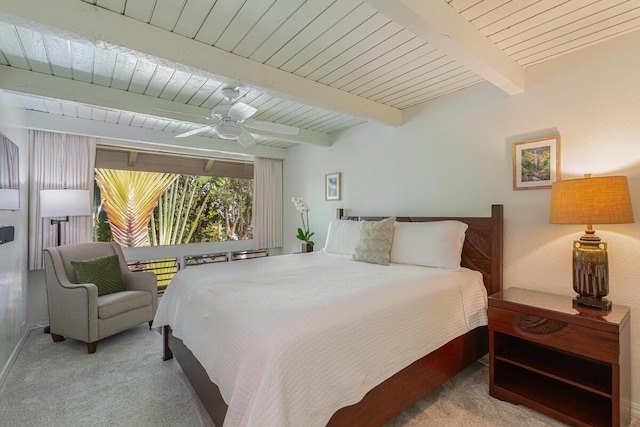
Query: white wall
(453, 156)
(13, 255)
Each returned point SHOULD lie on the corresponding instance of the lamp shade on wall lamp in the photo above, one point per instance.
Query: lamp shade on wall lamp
(9, 199)
(54, 203)
(602, 200)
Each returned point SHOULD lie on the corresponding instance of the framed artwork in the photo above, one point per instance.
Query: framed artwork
(536, 163)
(332, 186)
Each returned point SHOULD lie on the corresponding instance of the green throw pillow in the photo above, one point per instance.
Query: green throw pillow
(104, 272)
(374, 242)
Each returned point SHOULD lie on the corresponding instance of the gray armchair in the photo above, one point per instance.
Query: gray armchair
(75, 309)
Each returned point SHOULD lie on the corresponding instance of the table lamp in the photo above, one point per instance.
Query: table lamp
(601, 200)
(64, 203)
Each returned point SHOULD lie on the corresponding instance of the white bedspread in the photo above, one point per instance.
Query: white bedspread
(291, 339)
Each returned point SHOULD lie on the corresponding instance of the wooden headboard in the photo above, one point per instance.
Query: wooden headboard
(483, 244)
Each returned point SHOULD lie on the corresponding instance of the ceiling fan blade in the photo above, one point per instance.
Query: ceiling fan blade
(246, 140)
(194, 132)
(241, 111)
(271, 127)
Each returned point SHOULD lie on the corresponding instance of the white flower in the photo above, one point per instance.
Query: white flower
(300, 204)
(304, 233)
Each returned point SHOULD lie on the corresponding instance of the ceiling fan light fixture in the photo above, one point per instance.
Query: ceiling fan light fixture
(230, 93)
(230, 131)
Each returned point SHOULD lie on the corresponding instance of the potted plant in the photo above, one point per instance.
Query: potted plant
(304, 233)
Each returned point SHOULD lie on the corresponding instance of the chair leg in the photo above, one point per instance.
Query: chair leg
(150, 323)
(92, 346)
(57, 338)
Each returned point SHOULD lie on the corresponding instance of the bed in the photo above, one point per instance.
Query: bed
(278, 366)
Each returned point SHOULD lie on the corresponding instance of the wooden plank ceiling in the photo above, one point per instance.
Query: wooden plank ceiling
(532, 32)
(348, 46)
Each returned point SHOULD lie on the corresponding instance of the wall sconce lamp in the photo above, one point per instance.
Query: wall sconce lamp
(9, 199)
(64, 203)
(602, 200)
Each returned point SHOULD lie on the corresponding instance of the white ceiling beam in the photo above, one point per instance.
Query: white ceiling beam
(103, 28)
(147, 139)
(32, 83)
(441, 26)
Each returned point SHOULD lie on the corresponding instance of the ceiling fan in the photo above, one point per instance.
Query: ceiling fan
(233, 118)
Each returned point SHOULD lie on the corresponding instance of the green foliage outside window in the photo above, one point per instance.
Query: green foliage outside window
(192, 209)
(148, 208)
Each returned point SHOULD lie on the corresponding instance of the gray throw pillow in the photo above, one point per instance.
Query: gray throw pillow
(104, 272)
(374, 243)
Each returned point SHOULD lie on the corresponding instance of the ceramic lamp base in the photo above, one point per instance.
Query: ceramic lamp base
(591, 273)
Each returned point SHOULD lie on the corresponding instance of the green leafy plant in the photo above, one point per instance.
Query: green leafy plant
(304, 233)
(129, 198)
(180, 209)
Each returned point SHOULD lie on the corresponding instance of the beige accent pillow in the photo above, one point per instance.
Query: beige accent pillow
(374, 243)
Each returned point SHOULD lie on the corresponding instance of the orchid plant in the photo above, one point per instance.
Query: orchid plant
(304, 233)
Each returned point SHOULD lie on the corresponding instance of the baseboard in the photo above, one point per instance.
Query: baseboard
(13, 357)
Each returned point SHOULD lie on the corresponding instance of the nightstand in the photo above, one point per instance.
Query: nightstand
(572, 366)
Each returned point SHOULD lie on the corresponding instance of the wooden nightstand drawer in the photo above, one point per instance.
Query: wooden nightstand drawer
(556, 333)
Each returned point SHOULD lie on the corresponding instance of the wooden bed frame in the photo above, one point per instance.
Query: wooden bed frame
(482, 251)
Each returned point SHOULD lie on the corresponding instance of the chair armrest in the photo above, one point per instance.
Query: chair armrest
(55, 275)
(73, 308)
(91, 288)
(142, 281)
(83, 295)
(137, 280)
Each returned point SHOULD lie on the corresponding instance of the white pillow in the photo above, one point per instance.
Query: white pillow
(342, 236)
(429, 244)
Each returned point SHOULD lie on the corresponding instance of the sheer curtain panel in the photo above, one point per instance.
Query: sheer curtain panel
(8, 163)
(267, 203)
(58, 161)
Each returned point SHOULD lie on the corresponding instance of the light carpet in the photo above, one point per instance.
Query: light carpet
(126, 383)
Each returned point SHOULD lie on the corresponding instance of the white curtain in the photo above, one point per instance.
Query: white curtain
(8, 163)
(58, 161)
(267, 203)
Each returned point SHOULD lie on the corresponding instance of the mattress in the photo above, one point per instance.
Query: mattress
(291, 339)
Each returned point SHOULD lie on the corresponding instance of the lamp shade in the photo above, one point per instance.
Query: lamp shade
(9, 199)
(601, 200)
(55, 203)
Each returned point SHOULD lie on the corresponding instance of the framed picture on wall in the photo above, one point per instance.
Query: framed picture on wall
(332, 186)
(536, 163)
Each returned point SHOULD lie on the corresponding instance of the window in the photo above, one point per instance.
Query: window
(154, 199)
(150, 199)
